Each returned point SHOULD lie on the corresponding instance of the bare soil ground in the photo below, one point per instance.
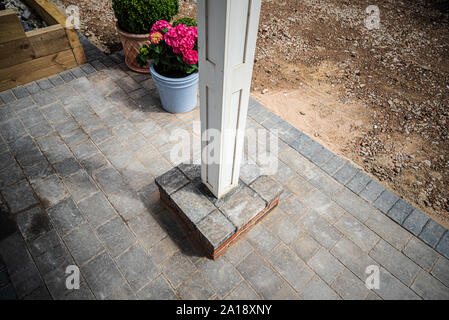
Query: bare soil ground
(378, 97)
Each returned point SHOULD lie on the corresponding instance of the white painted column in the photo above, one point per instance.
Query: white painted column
(227, 41)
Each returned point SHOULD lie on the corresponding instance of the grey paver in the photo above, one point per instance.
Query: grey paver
(97, 209)
(358, 182)
(137, 267)
(101, 134)
(325, 265)
(430, 288)
(127, 203)
(31, 116)
(41, 129)
(56, 80)
(262, 239)
(49, 142)
(388, 230)
(415, 222)
(124, 293)
(80, 185)
(33, 223)
(10, 174)
(147, 229)
(292, 268)
(216, 229)
(66, 76)
(432, 233)
(238, 251)
(195, 288)
(102, 276)
(244, 206)
(32, 87)
(300, 187)
(293, 207)
(400, 211)
(177, 269)
(320, 229)
(441, 270)
(7, 96)
(55, 113)
(67, 167)
(44, 98)
(267, 188)
(349, 287)
(372, 191)
(74, 138)
(345, 174)
(443, 245)
(58, 154)
(194, 204)
(385, 201)
(357, 232)
(67, 126)
(395, 262)
(305, 246)
(83, 243)
(50, 190)
(163, 250)
(84, 150)
(43, 243)
(172, 181)
(109, 180)
(110, 147)
(352, 257)
(158, 289)
(65, 216)
(318, 290)
(285, 230)
(420, 253)
(53, 258)
(116, 236)
(353, 204)
(44, 84)
(19, 196)
(260, 275)
(243, 292)
(220, 274)
(322, 204)
(20, 92)
(95, 162)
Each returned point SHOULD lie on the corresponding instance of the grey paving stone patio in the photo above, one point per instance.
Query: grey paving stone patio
(79, 153)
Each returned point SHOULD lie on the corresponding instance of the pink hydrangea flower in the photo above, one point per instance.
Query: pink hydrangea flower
(181, 38)
(160, 25)
(190, 56)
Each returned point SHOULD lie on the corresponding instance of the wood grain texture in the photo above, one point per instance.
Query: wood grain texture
(36, 69)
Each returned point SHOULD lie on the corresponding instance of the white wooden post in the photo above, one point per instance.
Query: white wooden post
(227, 41)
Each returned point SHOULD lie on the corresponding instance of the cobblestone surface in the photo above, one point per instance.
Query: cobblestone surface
(79, 154)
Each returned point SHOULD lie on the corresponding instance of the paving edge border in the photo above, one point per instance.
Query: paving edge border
(394, 207)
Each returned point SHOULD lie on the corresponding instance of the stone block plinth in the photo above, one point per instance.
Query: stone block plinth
(216, 223)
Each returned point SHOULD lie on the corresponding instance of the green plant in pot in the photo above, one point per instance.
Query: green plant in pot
(173, 51)
(134, 21)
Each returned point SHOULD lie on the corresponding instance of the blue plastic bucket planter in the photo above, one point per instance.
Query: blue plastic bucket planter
(178, 95)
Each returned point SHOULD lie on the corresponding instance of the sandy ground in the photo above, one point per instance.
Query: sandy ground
(377, 97)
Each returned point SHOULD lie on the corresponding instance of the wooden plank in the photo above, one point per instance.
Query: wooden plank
(15, 52)
(48, 40)
(36, 69)
(52, 15)
(10, 27)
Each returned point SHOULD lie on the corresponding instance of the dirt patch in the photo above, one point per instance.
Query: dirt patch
(377, 97)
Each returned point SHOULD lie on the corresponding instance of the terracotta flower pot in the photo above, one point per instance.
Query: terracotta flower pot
(131, 43)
